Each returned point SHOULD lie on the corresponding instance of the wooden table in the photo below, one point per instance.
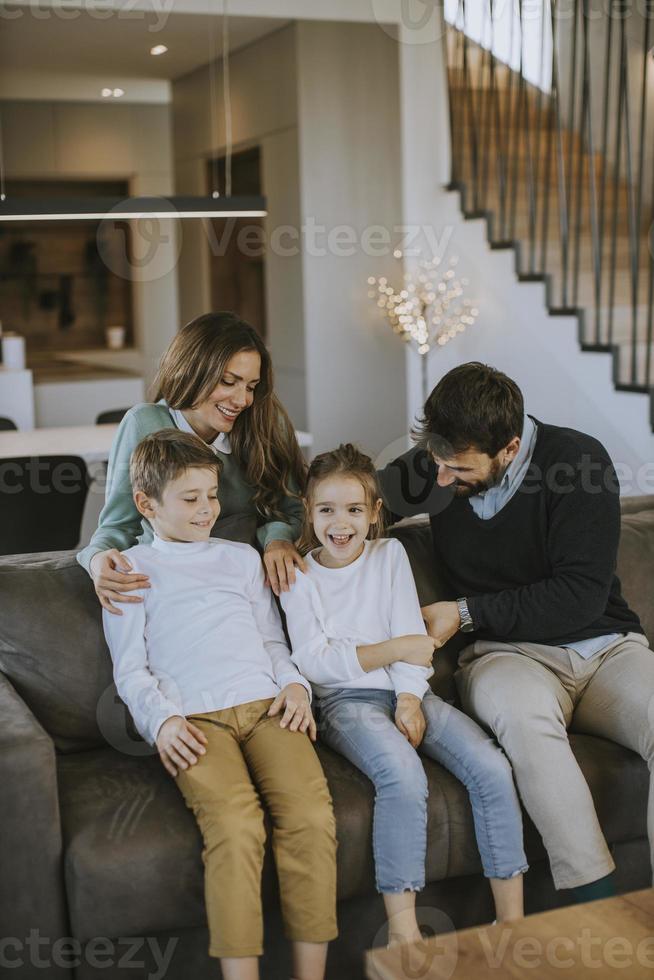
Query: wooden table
(91, 442)
(611, 938)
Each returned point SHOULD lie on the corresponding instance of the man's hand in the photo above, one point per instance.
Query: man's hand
(280, 559)
(410, 719)
(180, 742)
(297, 715)
(442, 620)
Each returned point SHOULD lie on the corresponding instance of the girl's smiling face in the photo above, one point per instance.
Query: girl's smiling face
(341, 515)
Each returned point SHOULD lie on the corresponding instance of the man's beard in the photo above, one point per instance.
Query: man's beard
(494, 478)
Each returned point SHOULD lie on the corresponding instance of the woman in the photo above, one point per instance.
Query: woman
(215, 380)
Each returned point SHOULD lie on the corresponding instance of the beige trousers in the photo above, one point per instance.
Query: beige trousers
(249, 754)
(529, 695)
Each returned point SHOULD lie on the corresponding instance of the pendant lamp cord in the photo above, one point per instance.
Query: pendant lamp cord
(227, 103)
(227, 95)
(3, 193)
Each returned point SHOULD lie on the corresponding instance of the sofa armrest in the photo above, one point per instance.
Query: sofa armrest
(32, 892)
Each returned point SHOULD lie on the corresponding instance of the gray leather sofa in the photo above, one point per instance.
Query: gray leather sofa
(100, 868)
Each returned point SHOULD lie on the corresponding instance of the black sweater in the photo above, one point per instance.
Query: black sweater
(543, 568)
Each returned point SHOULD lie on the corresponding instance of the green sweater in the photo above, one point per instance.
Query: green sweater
(121, 525)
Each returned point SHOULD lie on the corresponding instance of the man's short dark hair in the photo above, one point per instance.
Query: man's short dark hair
(474, 406)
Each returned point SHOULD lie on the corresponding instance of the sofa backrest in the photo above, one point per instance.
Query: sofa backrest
(52, 646)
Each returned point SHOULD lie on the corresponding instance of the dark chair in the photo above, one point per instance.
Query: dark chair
(41, 503)
(112, 417)
(7, 425)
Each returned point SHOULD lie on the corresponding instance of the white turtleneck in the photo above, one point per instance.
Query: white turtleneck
(207, 635)
(331, 611)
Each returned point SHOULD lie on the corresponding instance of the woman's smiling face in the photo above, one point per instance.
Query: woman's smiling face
(232, 395)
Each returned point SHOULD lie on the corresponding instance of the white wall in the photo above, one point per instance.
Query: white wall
(59, 403)
(348, 127)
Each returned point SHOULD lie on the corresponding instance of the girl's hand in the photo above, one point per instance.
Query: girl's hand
(110, 573)
(416, 649)
(297, 716)
(180, 742)
(409, 718)
(280, 559)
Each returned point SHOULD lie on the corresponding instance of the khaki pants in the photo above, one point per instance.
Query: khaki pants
(246, 749)
(529, 695)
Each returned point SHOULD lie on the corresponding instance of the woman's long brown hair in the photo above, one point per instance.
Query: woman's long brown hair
(263, 439)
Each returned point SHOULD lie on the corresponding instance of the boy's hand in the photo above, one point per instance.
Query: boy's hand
(409, 718)
(297, 715)
(280, 559)
(180, 742)
(413, 649)
(442, 620)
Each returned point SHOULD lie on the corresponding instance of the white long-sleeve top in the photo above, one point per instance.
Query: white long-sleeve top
(331, 611)
(207, 635)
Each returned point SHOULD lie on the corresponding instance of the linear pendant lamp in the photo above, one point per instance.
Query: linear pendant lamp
(13, 208)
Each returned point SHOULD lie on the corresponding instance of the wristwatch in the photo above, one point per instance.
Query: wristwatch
(467, 626)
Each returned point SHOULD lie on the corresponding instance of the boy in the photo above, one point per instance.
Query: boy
(204, 669)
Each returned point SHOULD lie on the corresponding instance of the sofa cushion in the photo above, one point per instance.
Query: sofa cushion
(636, 505)
(636, 566)
(52, 646)
(129, 838)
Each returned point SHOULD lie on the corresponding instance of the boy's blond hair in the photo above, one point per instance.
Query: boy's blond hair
(162, 456)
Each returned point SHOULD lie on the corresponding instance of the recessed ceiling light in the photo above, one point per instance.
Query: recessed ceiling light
(107, 93)
(158, 49)
(118, 92)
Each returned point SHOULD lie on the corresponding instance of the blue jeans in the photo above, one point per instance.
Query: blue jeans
(359, 723)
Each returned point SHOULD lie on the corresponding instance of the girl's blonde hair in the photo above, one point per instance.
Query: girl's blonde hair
(347, 460)
(263, 440)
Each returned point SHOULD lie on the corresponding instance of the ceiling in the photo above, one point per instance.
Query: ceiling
(119, 45)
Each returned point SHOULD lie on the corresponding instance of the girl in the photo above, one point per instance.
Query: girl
(357, 634)
(215, 380)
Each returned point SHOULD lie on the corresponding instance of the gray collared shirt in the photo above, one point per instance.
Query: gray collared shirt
(491, 501)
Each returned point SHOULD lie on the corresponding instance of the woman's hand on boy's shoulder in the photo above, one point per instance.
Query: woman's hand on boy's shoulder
(297, 717)
(113, 576)
(180, 742)
(280, 559)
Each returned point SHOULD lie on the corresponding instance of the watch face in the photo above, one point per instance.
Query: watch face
(467, 628)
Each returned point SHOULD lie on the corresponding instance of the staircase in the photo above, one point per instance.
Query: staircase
(565, 177)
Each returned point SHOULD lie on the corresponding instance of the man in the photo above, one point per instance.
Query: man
(525, 522)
